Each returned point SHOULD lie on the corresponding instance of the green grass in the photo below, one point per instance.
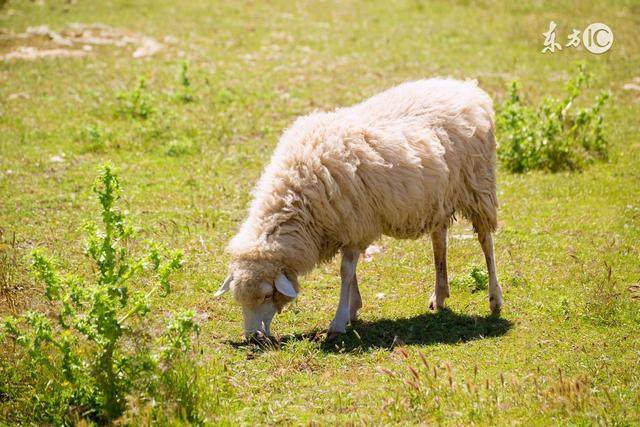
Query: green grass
(566, 349)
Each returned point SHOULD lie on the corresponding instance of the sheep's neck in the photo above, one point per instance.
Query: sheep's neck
(301, 245)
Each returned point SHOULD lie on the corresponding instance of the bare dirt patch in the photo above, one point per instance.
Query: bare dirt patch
(77, 40)
(634, 86)
(29, 53)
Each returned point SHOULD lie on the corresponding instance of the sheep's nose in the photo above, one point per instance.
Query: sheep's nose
(257, 320)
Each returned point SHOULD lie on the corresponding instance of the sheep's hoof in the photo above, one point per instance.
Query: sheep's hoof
(495, 304)
(434, 304)
(261, 340)
(336, 329)
(331, 335)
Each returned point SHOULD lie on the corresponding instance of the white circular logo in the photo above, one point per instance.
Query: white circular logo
(597, 38)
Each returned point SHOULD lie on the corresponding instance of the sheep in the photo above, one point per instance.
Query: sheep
(401, 164)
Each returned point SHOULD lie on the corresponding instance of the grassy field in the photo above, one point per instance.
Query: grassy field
(566, 349)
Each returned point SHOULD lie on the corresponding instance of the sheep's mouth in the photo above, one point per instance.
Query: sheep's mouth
(258, 319)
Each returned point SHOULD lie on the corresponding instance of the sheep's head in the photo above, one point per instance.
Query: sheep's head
(262, 291)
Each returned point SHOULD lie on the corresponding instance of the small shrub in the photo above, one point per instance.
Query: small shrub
(94, 138)
(553, 136)
(136, 103)
(185, 94)
(87, 359)
(476, 280)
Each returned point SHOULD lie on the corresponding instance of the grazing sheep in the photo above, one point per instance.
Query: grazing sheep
(401, 163)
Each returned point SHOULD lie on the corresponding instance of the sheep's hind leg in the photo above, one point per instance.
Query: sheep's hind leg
(441, 292)
(355, 300)
(348, 276)
(495, 291)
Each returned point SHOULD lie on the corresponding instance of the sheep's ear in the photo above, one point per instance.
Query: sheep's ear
(285, 287)
(225, 286)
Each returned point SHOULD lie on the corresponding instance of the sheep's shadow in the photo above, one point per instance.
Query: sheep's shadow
(442, 327)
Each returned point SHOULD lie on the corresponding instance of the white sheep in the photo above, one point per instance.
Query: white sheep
(401, 163)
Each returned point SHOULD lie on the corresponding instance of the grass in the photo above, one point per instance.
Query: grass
(564, 351)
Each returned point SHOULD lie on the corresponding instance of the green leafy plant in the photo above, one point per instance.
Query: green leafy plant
(136, 103)
(476, 280)
(90, 354)
(94, 138)
(553, 136)
(185, 94)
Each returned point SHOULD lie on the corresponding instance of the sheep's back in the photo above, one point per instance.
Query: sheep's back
(424, 150)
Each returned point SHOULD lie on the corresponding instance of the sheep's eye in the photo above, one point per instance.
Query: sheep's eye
(268, 297)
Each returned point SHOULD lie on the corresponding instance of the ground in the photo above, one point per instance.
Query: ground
(566, 347)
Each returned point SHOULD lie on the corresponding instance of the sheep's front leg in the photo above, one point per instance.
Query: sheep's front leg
(441, 292)
(348, 277)
(495, 291)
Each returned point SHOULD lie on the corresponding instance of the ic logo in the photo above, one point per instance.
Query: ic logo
(597, 38)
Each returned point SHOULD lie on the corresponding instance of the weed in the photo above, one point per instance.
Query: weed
(476, 280)
(94, 138)
(565, 308)
(136, 103)
(425, 390)
(85, 359)
(553, 136)
(604, 301)
(185, 94)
